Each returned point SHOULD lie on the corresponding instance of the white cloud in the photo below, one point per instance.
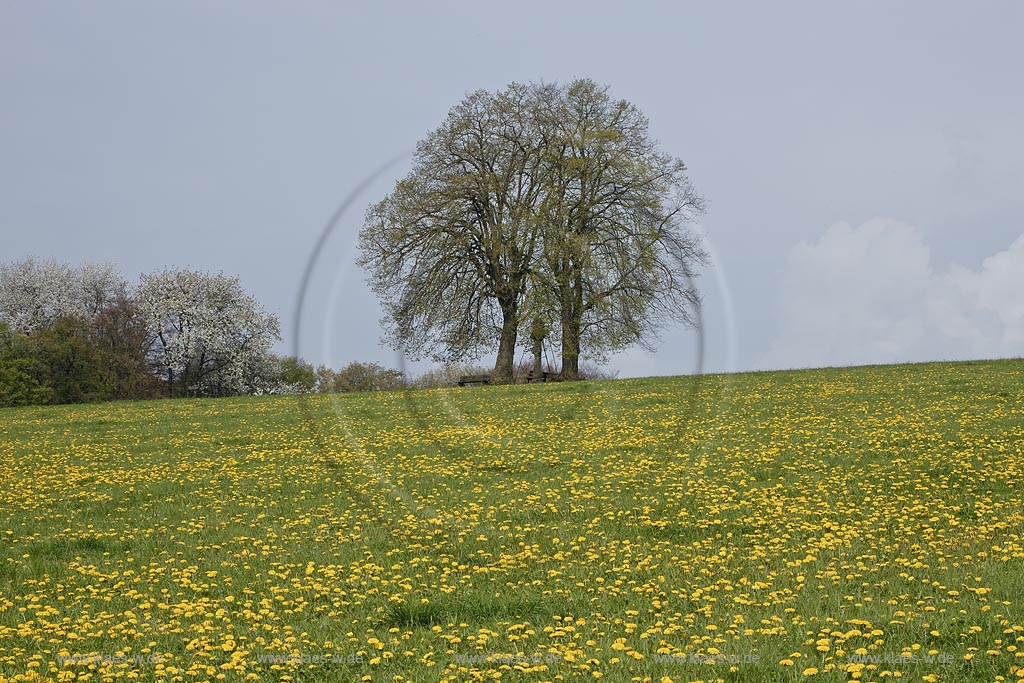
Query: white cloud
(871, 294)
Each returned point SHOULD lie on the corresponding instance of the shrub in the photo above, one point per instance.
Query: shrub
(19, 382)
(359, 377)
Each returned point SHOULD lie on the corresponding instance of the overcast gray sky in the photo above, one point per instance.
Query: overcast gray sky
(863, 162)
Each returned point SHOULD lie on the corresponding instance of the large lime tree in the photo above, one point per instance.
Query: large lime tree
(540, 207)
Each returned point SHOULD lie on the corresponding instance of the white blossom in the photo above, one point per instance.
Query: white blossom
(35, 294)
(211, 337)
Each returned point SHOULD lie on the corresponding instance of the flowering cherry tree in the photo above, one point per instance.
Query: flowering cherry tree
(211, 337)
(35, 294)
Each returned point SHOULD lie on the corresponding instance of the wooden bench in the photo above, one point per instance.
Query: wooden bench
(542, 377)
(471, 380)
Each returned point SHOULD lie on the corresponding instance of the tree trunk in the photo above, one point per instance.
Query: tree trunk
(503, 366)
(537, 334)
(572, 310)
(570, 351)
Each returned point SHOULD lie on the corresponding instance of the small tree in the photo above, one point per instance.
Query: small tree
(298, 375)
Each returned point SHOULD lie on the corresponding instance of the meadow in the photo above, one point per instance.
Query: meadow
(826, 525)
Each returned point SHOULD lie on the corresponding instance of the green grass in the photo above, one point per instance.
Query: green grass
(793, 521)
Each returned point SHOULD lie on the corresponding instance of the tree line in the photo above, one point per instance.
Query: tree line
(540, 215)
(82, 334)
(77, 334)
